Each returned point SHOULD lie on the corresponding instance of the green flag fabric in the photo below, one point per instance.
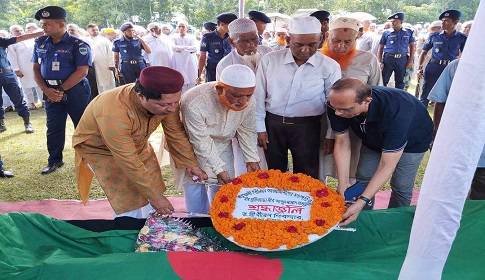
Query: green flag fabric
(33, 246)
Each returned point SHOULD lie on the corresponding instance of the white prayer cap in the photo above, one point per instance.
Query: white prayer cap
(238, 75)
(305, 25)
(344, 22)
(436, 23)
(242, 25)
(281, 30)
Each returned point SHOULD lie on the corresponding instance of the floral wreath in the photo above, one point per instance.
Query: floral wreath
(326, 211)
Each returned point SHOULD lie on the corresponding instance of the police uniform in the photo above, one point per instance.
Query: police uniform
(216, 47)
(131, 57)
(444, 49)
(10, 83)
(396, 49)
(58, 61)
(259, 16)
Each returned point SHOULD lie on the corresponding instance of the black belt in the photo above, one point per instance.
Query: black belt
(396, 55)
(292, 120)
(133, 61)
(54, 82)
(440, 62)
(5, 69)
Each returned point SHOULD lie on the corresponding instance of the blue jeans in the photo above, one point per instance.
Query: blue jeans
(10, 83)
(197, 198)
(78, 98)
(403, 177)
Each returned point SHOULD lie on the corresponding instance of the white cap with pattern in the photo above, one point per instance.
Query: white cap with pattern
(238, 75)
(242, 25)
(344, 22)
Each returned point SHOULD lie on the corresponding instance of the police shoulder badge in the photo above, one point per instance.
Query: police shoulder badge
(83, 51)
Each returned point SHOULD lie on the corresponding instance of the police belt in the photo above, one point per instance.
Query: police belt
(292, 120)
(54, 82)
(396, 55)
(5, 69)
(440, 62)
(132, 61)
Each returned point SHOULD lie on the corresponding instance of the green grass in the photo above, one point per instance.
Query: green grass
(26, 154)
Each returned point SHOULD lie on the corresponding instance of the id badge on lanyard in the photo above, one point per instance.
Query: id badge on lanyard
(56, 65)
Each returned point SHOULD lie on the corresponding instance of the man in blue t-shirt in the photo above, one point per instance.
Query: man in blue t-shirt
(396, 131)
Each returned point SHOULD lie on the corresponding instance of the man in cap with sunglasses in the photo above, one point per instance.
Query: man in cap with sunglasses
(213, 114)
(111, 142)
(396, 130)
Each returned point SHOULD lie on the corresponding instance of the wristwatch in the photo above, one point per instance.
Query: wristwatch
(59, 88)
(366, 200)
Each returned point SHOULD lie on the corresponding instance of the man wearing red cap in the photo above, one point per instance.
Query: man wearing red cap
(111, 142)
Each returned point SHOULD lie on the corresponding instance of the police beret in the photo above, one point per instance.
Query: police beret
(210, 26)
(321, 15)
(50, 12)
(125, 26)
(257, 15)
(161, 79)
(226, 17)
(397, 16)
(453, 14)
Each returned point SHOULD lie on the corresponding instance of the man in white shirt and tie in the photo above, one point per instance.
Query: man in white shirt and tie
(293, 85)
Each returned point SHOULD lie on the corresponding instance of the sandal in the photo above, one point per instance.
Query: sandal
(32, 106)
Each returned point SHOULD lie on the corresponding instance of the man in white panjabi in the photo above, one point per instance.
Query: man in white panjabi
(243, 37)
(293, 85)
(184, 55)
(19, 56)
(104, 59)
(161, 46)
(213, 114)
(340, 45)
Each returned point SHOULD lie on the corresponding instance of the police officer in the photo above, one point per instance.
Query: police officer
(446, 46)
(61, 63)
(324, 18)
(10, 83)
(128, 50)
(214, 46)
(261, 20)
(397, 44)
(209, 27)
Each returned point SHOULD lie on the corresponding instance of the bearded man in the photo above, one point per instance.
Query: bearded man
(161, 47)
(213, 114)
(243, 37)
(340, 44)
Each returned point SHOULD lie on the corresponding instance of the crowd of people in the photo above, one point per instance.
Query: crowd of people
(235, 102)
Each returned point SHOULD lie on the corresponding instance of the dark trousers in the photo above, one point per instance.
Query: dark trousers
(302, 139)
(478, 185)
(92, 81)
(210, 72)
(10, 84)
(396, 65)
(78, 98)
(131, 72)
(431, 74)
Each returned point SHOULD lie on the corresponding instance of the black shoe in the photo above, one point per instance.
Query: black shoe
(51, 167)
(28, 125)
(5, 173)
(3, 127)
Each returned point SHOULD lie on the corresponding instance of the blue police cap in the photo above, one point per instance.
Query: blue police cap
(125, 26)
(453, 14)
(226, 17)
(397, 16)
(321, 15)
(257, 15)
(50, 12)
(210, 26)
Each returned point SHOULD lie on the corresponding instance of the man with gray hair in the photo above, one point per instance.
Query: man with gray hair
(293, 85)
(243, 36)
(160, 45)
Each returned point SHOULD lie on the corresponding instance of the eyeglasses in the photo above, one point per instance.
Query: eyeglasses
(344, 110)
